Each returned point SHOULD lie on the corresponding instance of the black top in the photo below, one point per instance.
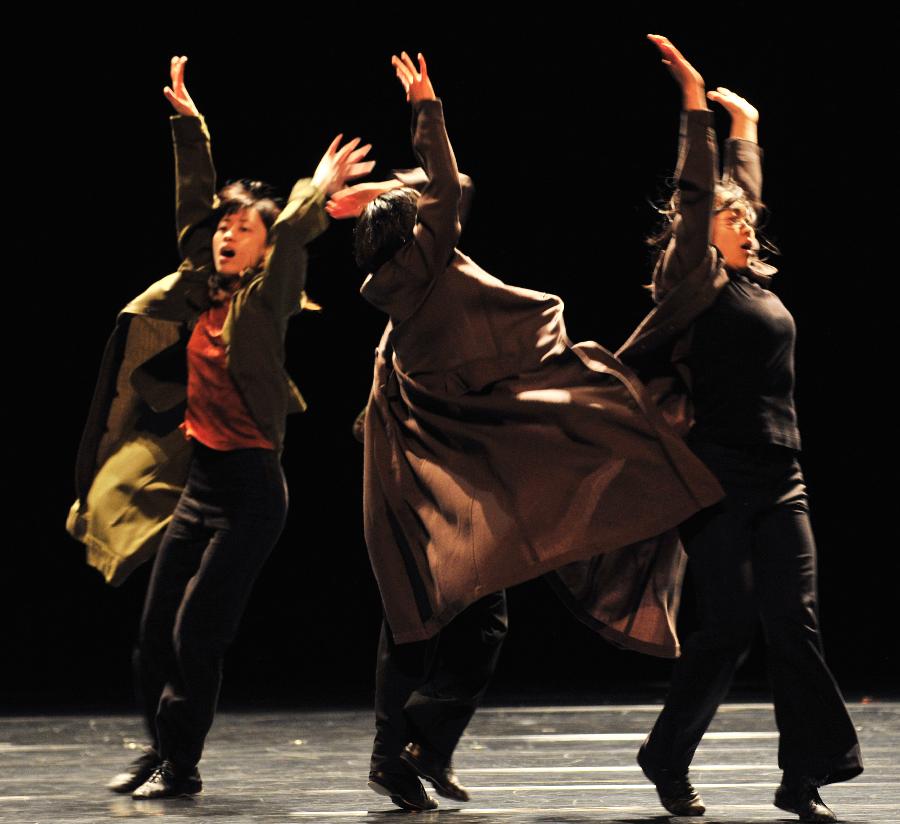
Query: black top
(742, 364)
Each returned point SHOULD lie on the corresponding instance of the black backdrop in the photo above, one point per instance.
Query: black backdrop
(568, 131)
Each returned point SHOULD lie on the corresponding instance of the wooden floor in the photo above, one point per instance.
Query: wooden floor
(542, 765)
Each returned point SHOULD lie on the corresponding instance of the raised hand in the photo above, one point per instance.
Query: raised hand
(351, 201)
(416, 82)
(339, 165)
(687, 77)
(744, 116)
(177, 93)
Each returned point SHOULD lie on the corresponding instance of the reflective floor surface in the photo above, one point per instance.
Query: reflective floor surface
(541, 765)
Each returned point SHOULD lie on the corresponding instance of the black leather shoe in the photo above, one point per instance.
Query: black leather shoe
(802, 797)
(676, 792)
(137, 773)
(167, 782)
(433, 769)
(403, 788)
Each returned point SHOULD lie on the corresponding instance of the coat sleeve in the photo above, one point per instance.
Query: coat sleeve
(195, 190)
(401, 284)
(743, 165)
(695, 175)
(437, 220)
(300, 222)
(417, 179)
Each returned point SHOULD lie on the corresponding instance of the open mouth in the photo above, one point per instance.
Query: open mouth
(748, 246)
(227, 253)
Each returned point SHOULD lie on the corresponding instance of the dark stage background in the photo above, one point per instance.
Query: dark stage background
(568, 132)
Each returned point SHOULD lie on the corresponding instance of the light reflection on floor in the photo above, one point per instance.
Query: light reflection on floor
(541, 765)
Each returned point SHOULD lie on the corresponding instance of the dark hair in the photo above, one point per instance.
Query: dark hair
(384, 227)
(233, 197)
(249, 194)
(728, 195)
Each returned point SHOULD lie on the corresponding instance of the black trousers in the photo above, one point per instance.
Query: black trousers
(426, 692)
(753, 557)
(226, 523)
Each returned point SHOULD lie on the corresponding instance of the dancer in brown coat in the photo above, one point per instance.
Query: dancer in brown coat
(496, 450)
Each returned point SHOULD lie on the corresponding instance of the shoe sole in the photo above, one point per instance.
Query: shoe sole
(399, 800)
(187, 792)
(696, 811)
(789, 809)
(127, 788)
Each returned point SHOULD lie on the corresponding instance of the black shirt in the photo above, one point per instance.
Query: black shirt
(742, 365)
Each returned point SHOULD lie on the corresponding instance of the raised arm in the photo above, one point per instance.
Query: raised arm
(418, 179)
(689, 248)
(303, 219)
(743, 157)
(195, 176)
(351, 202)
(437, 226)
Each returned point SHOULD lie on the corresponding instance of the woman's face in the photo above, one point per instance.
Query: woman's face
(239, 242)
(733, 236)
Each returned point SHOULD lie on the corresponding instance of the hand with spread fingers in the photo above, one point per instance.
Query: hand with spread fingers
(339, 165)
(350, 201)
(177, 93)
(416, 82)
(688, 78)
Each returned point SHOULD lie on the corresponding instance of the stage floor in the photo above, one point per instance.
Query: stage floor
(553, 765)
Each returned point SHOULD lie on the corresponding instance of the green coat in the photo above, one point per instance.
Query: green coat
(133, 459)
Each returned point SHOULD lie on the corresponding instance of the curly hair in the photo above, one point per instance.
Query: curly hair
(728, 195)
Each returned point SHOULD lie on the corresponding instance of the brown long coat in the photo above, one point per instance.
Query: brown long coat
(496, 451)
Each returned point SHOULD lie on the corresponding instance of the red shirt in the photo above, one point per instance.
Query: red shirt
(216, 414)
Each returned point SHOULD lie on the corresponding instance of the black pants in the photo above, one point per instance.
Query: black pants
(226, 523)
(753, 557)
(427, 691)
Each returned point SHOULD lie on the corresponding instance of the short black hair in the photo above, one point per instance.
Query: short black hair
(249, 194)
(384, 227)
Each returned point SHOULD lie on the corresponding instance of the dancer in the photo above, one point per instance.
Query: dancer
(241, 279)
(752, 555)
(426, 692)
(495, 451)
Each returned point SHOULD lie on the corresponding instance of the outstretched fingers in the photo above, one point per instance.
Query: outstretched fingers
(345, 151)
(177, 94)
(403, 74)
(411, 67)
(333, 147)
(360, 153)
(176, 72)
(414, 79)
(350, 160)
